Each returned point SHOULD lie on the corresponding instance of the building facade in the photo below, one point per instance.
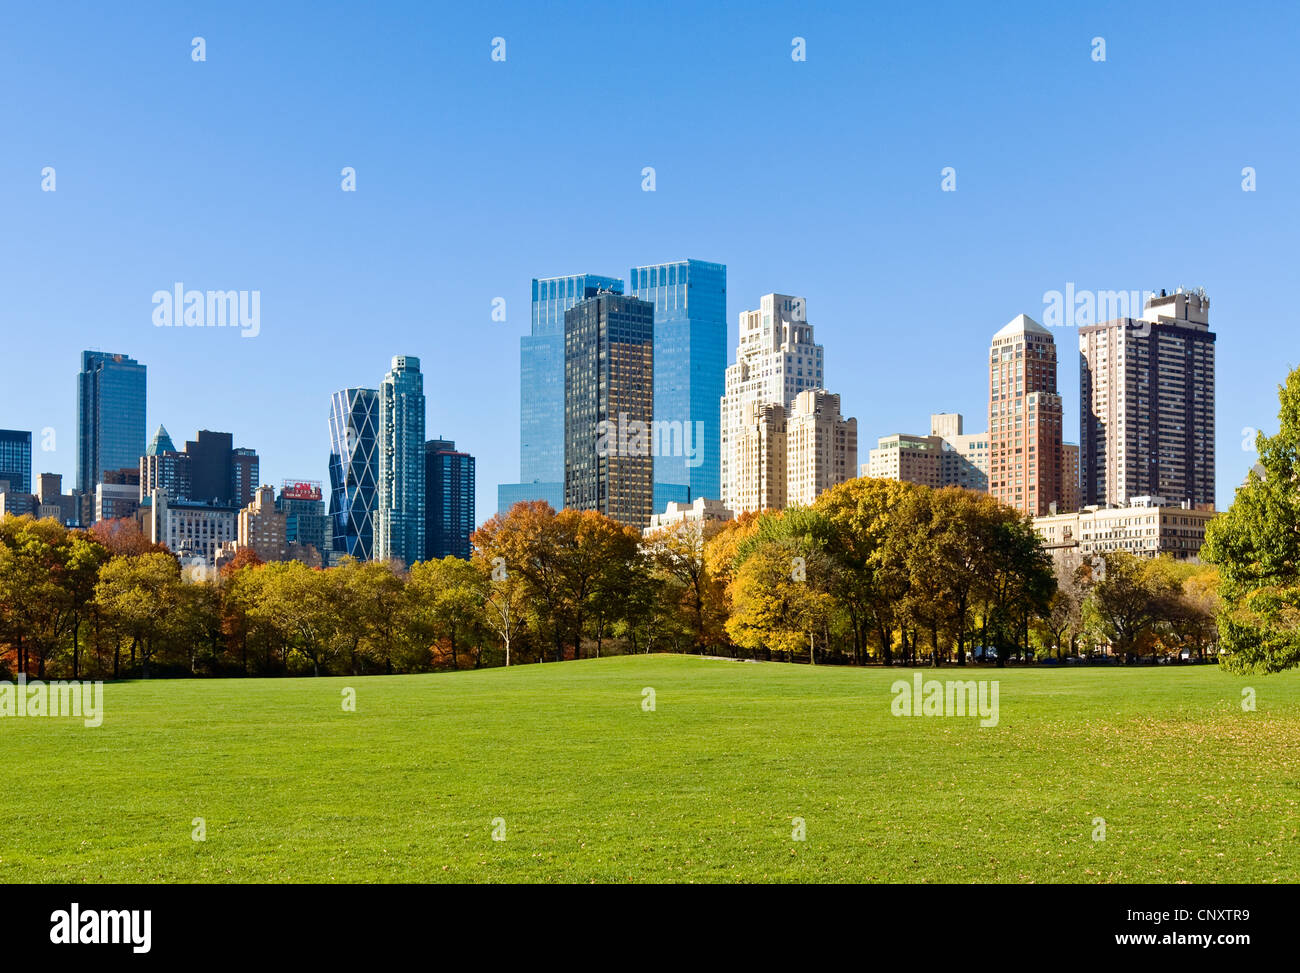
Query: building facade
(15, 460)
(110, 416)
(821, 446)
(690, 361)
(1147, 404)
(700, 512)
(449, 500)
(1147, 527)
(776, 359)
(609, 407)
(189, 529)
(399, 510)
(541, 389)
(354, 471)
(305, 519)
(1024, 418)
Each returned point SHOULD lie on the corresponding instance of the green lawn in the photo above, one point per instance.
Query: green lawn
(593, 788)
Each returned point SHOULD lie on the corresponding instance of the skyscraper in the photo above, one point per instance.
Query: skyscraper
(110, 416)
(1146, 403)
(821, 446)
(609, 407)
(775, 361)
(1024, 418)
(399, 511)
(541, 390)
(220, 472)
(354, 470)
(16, 460)
(449, 499)
(245, 473)
(690, 300)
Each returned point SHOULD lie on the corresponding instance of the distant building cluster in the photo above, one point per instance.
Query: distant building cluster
(628, 407)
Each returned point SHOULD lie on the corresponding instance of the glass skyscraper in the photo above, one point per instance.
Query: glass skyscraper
(690, 301)
(399, 512)
(16, 460)
(449, 500)
(541, 390)
(609, 406)
(354, 470)
(110, 416)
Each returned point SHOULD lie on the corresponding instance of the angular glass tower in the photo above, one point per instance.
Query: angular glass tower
(110, 416)
(690, 300)
(399, 511)
(541, 390)
(354, 470)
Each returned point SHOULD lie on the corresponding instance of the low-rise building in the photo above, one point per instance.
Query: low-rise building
(1148, 527)
(702, 511)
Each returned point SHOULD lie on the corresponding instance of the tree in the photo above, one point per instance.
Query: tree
(137, 594)
(1131, 601)
(1256, 546)
(298, 602)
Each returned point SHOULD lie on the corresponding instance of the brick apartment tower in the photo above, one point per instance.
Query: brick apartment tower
(1024, 418)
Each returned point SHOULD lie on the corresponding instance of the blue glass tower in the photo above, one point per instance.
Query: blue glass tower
(16, 459)
(354, 470)
(399, 511)
(110, 416)
(690, 299)
(541, 390)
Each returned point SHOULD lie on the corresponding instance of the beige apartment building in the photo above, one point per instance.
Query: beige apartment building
(757, 459)
(1024, 418)
(1149, 526)
(1146, 396)
(821, 446)
(946, 457)
(264, 530)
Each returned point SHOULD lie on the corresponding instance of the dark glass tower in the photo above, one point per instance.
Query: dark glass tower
(354, 470)
(16, 460)
(449, 499)
(690, 300)
(541, 390)
(609, 407)
(110, 416)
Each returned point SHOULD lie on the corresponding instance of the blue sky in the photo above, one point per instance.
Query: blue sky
(819, 178)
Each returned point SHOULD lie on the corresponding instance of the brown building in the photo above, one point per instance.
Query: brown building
(1024, 418)
(1146, 402)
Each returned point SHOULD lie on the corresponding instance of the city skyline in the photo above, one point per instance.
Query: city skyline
(346, 278)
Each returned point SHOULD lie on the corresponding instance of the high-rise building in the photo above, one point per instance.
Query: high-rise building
(1069, 478)
(690, 301)
(757, 459)
(776, 360)
(821, 446)
(161, 442)
(306, 522)
(110, 416)
(1146, 397)
(541, 390)
(1024, 418)
(212, 471)
(609, 407)
(399, 509)
(448, 501)
(245, 473)
(16, 460)
(354, 471)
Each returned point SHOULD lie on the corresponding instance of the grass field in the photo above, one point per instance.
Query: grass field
(593, 788)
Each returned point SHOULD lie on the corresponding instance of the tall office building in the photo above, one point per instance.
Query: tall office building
(1024, 418)
(399, 508)
(690, 300)
(776, 359)
(821, 446)
(354, 471)
(211, 469)
(1146, 391)
(246, 473)
(609, 407)
(110, 416)
(448, 500)
(16, 460)
(541, 390)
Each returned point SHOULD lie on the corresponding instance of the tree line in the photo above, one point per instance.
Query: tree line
(875, 571)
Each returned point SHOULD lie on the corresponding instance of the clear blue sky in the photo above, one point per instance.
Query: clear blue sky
(818, 178)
